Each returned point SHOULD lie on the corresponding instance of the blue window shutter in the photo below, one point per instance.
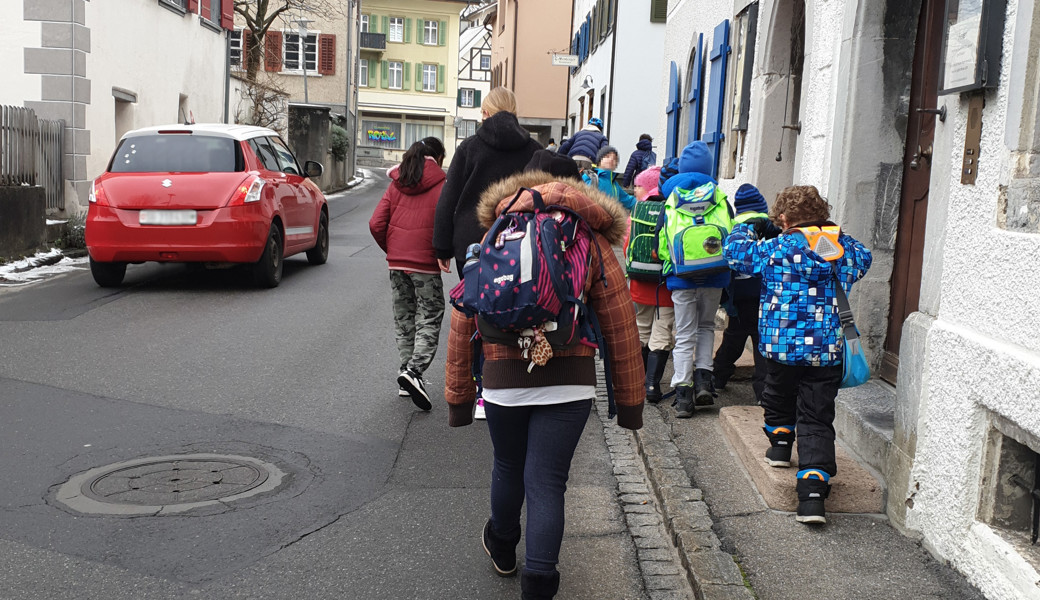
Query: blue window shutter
(673, 110)
(697, 77)
(713, 135)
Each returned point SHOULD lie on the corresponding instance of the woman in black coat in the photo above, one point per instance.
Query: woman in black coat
(500, 148)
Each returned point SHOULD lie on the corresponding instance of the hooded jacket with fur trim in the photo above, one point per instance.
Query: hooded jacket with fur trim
(611, 304)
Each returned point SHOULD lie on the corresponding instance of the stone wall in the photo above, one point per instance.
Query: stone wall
(22, 221)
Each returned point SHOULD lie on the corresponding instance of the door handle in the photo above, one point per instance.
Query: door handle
(915, 162)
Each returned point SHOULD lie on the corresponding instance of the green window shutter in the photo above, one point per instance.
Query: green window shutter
(408, 30)
(658, 11)
(373, 23)
(440, 79)
(442, 33)
(386, 27)
(458, 98)
(418, 76)
(476, 98)
(406, 79)
(384, 79)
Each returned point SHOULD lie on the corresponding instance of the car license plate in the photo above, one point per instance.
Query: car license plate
(168, 217)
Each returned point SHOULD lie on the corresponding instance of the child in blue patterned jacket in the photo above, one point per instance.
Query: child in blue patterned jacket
(799, 334)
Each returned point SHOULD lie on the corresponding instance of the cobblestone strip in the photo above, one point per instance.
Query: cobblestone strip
(663, 574)
(679, 554)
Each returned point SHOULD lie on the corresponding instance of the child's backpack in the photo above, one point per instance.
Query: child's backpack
(696, 222)
(641, 257)
(526, 284)
(649, 160)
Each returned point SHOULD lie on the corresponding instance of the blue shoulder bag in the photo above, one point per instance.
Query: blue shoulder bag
(854, 368)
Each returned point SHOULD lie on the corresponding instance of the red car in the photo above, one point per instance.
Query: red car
(214, 194)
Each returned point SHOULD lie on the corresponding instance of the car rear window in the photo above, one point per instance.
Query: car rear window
(177, 153)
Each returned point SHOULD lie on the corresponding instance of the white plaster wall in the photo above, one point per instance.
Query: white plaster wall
(983, 351)
(165, 56)
(17, 87)
(637, 71)
(597, 65)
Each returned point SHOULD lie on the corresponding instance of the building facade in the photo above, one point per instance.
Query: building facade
(524, 37)
(408, 76)
(618, 45)
(80, 62)
(309, 58)
(919, 121)
(474, 69)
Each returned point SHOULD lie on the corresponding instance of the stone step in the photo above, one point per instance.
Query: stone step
(864, 419)
(854, 489)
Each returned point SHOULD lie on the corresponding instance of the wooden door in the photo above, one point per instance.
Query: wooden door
(917, 168)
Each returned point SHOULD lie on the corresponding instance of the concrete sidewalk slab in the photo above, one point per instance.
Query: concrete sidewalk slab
(853, 490)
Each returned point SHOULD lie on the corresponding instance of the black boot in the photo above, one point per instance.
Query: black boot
(720, 375)
(781, 441)
(655, 364)
(813, 489)
(646, 352)
(704, 391)
(539, 585)
(501, 550)
(683, 401)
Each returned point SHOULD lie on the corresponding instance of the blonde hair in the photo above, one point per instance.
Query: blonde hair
(800, 204)
(498, 100)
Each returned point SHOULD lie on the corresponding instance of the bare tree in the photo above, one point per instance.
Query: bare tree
(264, 103)
(259, 15)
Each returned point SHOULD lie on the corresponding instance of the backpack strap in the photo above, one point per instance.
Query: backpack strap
(596, 333)
(848, 324)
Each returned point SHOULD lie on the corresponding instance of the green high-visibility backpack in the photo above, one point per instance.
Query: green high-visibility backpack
(641, 260)
(696, 223)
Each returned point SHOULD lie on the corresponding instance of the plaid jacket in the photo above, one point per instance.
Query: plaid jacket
(611, 303)
(798, 320)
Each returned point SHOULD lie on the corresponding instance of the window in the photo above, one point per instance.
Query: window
(364, 23)
(429, 78)
(363, 72)
(396, 29)
(214, 11)
(262, 148)
(465, 128)
(382, 134)
(235, 48)
(180, 6)
(286, 160)
(413, 132)
(161, 153)
(485, 62)
(466, 97)
(430, 33)
(293, 50)
(397, 75)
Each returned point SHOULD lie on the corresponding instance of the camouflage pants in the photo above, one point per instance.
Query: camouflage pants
(418, 311)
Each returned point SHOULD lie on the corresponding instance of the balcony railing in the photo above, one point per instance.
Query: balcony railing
(373, 41)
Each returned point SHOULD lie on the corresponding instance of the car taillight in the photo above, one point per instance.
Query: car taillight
(97, 194)
(247, 194)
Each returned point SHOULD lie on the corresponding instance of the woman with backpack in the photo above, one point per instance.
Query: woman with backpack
(402, 225)
(500, 148)
(536, 414)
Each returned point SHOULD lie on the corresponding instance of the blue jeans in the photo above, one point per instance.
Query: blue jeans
(534, 446)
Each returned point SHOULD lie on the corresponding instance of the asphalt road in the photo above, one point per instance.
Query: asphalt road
(380, 500)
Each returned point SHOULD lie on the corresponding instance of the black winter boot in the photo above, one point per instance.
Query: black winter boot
(683, 401)
(655, 364)
(781, 441)
(646, 352)
(539, 585)
(501, 550)
(813, 489)
(704, 391)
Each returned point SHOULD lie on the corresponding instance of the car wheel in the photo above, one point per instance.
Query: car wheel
(108, 274)
(320, 252)
(268, 270)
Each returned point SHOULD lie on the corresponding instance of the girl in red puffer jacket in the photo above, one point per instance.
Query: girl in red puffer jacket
(402, 225)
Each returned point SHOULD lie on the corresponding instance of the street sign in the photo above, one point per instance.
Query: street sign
(565, 60)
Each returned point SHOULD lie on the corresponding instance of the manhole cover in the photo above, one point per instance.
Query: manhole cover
(168, 484)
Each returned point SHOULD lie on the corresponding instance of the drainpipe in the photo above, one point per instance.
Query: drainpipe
(567, 101)
(227, 70)
(613, 67)
(516, 34)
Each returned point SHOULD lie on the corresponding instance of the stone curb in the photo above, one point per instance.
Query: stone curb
(713, 573)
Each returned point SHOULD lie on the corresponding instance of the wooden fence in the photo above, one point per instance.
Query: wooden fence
(31, 153)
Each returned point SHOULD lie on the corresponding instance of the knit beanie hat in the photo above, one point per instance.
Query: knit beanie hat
(749, 199)
(668, 170)
(557, 165)
(605, 150)
(647, 179)
(696, 158)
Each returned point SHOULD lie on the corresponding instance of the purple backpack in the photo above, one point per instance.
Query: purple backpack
(529, 273)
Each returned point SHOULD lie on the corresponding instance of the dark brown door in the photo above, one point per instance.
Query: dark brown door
(917, 169)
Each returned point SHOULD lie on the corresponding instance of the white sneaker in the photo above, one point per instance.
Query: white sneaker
(478, 413)
(416, 389)
(402, 392)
